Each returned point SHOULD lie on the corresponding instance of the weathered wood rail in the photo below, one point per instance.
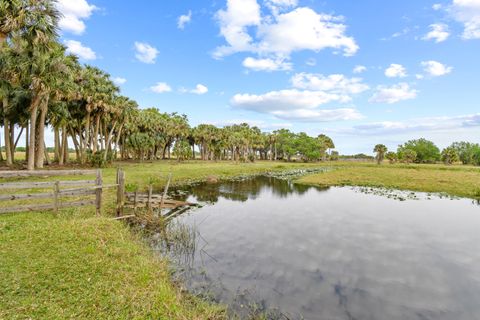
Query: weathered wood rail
(76, 188)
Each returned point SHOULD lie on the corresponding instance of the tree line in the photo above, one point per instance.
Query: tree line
(425, 151)
(42, 87)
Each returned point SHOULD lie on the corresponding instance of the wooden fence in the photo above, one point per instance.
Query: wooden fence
(59, 189)
(82, 189)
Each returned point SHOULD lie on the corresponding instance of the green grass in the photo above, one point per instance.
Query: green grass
(463, 181)
(85, 268)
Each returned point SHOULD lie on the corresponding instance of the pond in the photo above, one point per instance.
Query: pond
(335, 253)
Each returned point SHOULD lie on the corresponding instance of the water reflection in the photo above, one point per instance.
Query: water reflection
(312, 253)
(242, 190)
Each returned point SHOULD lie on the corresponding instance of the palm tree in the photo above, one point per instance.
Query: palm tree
(380, 149)
(37, 20)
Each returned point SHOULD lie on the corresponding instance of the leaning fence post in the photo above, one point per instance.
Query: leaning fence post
(56, 189)
(98, 192)
(120, 191)
(164, 195)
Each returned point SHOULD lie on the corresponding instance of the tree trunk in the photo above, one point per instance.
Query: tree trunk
(33, 125)
(12, 140)
(27, 147)
(6, 133)
(41, 135)
(84, 143)
(95, 133)
(47, 156)
(1, 155)
(57, 146)
(64, 153)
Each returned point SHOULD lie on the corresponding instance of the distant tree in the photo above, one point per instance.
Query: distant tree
(380, 150)
(476, 156)
(465, 151)
(426, 151)
(182, 150)
(450, 155)
(391, 156)
(334, 156)
(409, 155)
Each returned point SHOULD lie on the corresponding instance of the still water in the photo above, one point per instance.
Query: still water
(335, 253)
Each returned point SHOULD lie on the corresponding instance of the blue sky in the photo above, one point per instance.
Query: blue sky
(363, 72)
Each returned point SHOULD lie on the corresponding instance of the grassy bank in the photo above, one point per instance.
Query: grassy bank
(463, 181)
(79, 266)
(85, 268)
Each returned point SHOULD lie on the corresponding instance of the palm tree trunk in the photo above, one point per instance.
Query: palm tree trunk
(12, 138)
(1, 155)
(27, 147)
(63, 156)
(33, 125)
(41, 135)
(87, 139)
(57, 145)
(47, 156)
(18, 138)
(95, 133)
(6, 132)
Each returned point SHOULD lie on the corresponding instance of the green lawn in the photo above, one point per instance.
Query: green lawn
(76, 265)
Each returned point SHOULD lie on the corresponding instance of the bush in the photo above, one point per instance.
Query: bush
(426, 151)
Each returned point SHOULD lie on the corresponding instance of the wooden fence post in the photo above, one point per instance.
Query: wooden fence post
(164, 195)
(98, 192)
(120, 191)
(56, 189)
(149, 201)
(135, 202)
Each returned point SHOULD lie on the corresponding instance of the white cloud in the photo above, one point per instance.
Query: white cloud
(359, 69)
(277, 36)
(119, 80)
(394, 94)
(468, 13)
(439, 32)
(419, 76)
(304, 29)
(435, 68)
(200, 89)
(161, 87)
(234, 21)
(431, 124)
(78, 49)
(253, 123)
(184, 20)
(266, 64)
(437, 6)
(396, 71)
(334, 83)
(73, 13)
(295, 105)
(145, 52)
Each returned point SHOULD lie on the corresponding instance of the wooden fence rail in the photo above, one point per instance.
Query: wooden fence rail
(77, 188)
